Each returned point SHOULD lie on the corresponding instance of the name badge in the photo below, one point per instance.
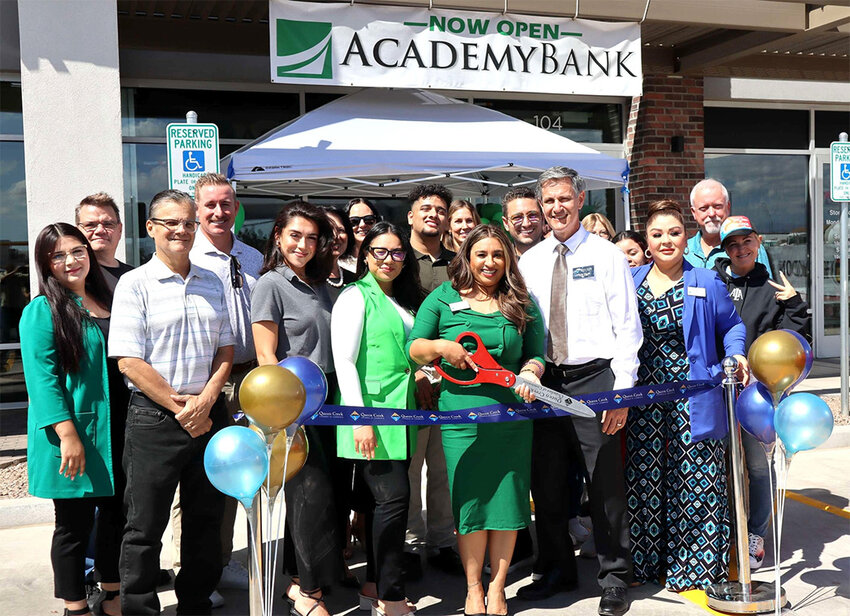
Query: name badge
(696, 291)
(585, 271)
(458, 306)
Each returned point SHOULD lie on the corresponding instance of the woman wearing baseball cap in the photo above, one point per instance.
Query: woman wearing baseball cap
(763, 305)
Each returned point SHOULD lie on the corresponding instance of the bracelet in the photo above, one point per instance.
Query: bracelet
(534, 366)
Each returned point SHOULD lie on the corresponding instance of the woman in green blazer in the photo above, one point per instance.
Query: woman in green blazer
(69, 441)
(369, 327)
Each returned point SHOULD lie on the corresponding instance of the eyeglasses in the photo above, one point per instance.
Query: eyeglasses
(91, 227)
(382, 253)
(236, 279)
(79, 254)
(532, 218)
(367, 220)
(172, 224)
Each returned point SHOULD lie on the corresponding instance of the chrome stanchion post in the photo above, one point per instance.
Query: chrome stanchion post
(255, 557)
(743, 596)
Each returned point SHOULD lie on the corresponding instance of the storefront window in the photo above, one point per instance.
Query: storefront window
(830, 124)
(14, 269)
(11, 119)
(239, 115)
(582, 122)
(732, 127)
(772, 190)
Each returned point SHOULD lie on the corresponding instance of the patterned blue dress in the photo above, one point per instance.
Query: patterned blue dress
(676, 489)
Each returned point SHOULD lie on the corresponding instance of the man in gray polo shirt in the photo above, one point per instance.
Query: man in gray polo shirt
(171, 334)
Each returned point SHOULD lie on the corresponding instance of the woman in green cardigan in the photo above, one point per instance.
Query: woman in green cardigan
(70, 449)
(369, 327)
(489, 464)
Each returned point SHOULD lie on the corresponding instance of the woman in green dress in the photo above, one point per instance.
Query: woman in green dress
(489, 465)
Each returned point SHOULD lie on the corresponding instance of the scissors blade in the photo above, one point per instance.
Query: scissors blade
(559, 400)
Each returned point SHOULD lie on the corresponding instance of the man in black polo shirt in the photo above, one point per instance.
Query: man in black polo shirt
(428, 220)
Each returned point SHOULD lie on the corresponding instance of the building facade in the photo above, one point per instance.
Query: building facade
(750, 92)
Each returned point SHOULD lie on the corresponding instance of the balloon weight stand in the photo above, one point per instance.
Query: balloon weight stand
(734, 598)
(743, 596)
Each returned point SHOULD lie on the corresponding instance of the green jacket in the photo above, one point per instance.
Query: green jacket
(386, 374)
(82, 396)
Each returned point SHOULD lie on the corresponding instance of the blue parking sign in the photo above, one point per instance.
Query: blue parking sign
(193, 160)
(844, 172)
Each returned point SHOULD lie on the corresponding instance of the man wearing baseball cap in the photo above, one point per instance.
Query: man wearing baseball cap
(763, 305)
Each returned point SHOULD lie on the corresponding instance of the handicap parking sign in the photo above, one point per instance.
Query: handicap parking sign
(193, 160)
(844, 173)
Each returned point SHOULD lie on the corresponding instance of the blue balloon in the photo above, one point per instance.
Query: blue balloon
(810, 357)
(237, 461)
(803, 421)
(315, 383)
(754, 409)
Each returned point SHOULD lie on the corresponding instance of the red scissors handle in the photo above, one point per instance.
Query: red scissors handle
(489, 371)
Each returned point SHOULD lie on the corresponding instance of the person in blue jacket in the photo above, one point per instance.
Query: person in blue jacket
(675, 470)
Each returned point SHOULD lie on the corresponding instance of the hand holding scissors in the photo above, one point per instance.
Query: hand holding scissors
(487, 370)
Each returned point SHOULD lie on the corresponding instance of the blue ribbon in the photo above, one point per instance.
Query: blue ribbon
(335, 415)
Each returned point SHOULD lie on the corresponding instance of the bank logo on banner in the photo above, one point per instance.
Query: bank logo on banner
(304, 49)
(403, 47)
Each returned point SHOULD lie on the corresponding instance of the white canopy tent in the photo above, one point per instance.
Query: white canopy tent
(377, 142)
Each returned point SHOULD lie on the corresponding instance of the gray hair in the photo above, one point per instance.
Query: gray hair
(707, 182)
(557, 174)
(169, 196)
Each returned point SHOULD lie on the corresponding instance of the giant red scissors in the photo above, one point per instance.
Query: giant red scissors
(489, 371)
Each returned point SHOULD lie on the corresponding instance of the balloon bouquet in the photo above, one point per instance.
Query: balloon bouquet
(780, 360)
(240, 461)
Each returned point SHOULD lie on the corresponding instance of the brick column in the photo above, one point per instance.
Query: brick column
(668, 116)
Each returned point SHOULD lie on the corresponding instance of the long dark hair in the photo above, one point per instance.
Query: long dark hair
(511, 293)
(340, 215)
(406, 288)
(629, 234)
(67, 314)
(319, 267)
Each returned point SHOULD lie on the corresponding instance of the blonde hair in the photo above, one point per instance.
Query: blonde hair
(212, 179)
(458, 204)
(591, 220)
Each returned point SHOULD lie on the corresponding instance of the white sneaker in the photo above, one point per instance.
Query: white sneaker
(216, 599)
(234, 575)
(578, 532)
(756, 551)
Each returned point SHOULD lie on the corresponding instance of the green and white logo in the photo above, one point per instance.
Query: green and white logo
(304, 49)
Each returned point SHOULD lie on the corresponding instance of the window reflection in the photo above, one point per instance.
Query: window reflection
(772, 190)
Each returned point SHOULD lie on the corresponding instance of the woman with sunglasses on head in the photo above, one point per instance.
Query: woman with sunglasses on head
(463, 218)
(369, 328)
(675, 468)
(362, 215)
(489, 464)
(342, 272)
(78, 403)
(291, 315)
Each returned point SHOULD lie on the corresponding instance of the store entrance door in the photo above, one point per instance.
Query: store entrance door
(826, 296)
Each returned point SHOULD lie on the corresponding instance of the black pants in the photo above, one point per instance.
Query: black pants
(386, 523)
(74, 521)
(556, 441)
(159, 453)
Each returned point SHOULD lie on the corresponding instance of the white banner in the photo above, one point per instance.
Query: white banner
(369, 46)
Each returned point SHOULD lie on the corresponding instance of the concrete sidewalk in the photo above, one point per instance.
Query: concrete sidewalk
(815, 562)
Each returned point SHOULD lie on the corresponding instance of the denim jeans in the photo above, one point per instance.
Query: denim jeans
(159, 454)
(757, 470)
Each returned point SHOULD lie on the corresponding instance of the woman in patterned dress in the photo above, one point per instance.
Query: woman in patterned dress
(675, 470)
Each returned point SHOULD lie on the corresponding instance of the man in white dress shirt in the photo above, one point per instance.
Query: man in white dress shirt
(587, 298)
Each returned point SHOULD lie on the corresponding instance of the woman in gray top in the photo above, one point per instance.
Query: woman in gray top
(291, 315)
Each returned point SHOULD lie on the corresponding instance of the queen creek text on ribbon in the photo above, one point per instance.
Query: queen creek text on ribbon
(334, 415)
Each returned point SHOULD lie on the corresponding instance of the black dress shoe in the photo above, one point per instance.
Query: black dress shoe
(550, 584)
(447, 561)
(613, 601)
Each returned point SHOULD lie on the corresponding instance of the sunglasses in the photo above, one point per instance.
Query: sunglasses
(236, 279)
(367, 220)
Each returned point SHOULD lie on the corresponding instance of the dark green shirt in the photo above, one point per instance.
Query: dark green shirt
(433, 273)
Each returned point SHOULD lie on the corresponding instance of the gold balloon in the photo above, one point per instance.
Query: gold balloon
(272, 397)
(777, 359)
(297, 458)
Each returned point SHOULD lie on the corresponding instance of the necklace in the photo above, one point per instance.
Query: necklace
(335, 285)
